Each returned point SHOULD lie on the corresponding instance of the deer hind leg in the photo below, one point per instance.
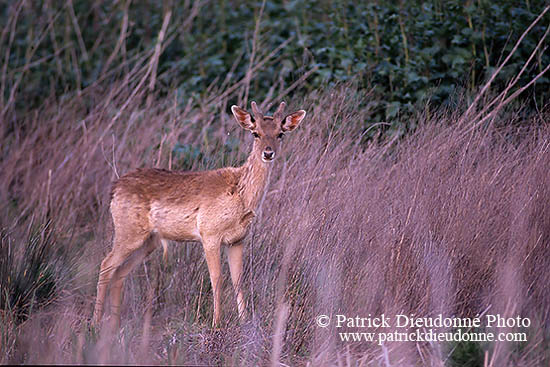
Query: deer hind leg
(134, 259)
(105, 274)
(213, 260)
(112, 267)
(235, 259)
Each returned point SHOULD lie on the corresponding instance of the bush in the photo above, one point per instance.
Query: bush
(409, 52)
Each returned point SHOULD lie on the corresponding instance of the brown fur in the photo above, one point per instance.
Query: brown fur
(213, 207)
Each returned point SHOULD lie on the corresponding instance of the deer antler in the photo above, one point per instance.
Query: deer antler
(258, 115)
(279, 113)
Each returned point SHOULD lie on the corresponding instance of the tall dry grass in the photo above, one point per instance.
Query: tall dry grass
(451, 219)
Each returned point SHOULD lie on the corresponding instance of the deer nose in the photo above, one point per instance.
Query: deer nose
(268, 154)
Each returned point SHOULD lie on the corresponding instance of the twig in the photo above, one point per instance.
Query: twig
(292, 87)
(56, 48)
(514, 95)
(156, 55)
(143, 79)
(8, 48)
(253, 53)
(256, 67)
(41, 60)
(514, 81)
(231, 72)
(488, 84)
(121, 38)
(29, 53)
(77, 29)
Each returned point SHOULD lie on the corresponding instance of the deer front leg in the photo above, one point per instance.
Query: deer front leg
(235, 259)
(212, 254)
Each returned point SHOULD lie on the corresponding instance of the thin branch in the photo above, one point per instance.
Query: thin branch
(156, 56)
(121, 38)
(8, 48)
(29, 54)
(256, 67)
(77, 30)
(488, 84)
(501, 96)
(514, 95)
(291, 88)
(253, 53)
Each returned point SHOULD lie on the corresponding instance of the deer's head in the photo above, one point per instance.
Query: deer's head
(268, 131)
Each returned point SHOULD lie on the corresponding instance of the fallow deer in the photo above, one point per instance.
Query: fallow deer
(212, 207)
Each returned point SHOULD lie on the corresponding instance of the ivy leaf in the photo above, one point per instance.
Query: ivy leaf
(392, 109)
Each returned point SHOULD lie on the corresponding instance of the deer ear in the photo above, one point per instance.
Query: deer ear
(293, 120)
(243, 118)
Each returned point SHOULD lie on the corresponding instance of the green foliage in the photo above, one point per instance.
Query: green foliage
(185, 155)
(410, 52)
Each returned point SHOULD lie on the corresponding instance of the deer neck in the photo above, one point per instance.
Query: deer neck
(254, 180)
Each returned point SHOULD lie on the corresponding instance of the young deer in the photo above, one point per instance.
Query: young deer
(213, 207)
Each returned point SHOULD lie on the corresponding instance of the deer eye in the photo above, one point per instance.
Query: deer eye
(255, 134)
(280, 136)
